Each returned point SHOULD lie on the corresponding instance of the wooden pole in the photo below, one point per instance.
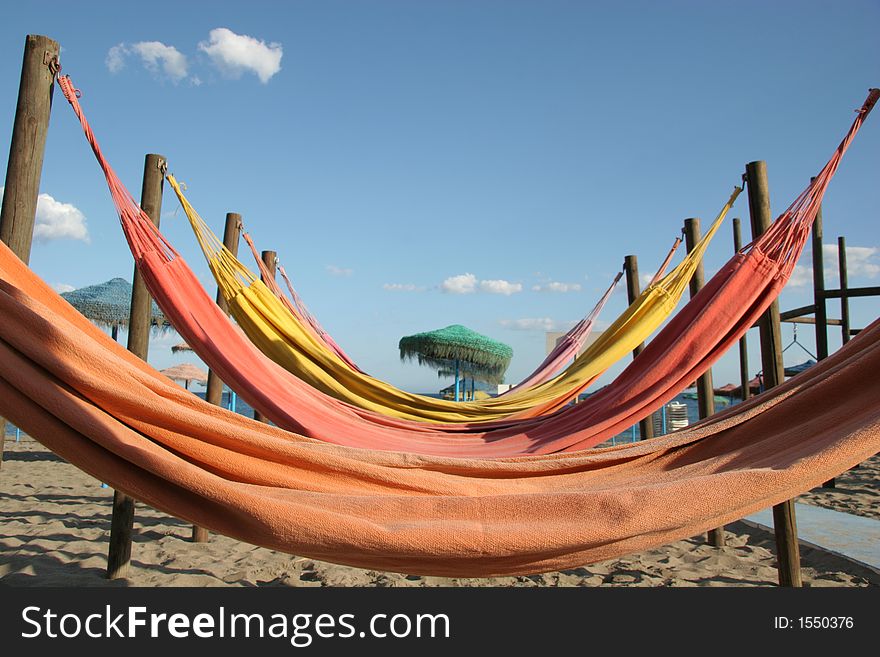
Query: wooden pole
(784, 524)
(844, 284)
(214, 387)
(633, 289)
(270, 259)
(705, 390)
(743, 341)
(25, 164)
(821, 311)
(231, 233)
(122, 520)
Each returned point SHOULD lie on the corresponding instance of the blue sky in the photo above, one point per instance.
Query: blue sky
(384, 148)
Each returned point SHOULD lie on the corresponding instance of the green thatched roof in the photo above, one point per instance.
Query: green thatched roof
(109, 303)
(480, 356)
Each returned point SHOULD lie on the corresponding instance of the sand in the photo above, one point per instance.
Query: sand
(56, 523)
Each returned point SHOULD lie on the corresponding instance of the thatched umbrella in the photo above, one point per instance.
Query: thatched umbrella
(186, 372)
(455, 348)
(180, 346)
(109, 304)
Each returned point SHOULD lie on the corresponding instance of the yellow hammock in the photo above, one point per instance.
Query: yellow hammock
(279, 335)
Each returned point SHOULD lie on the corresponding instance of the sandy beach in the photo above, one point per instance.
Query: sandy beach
(56, 523)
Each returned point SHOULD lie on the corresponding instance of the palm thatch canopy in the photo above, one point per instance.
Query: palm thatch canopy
(479, 356)
(186, 372)
(109, 304)
(180, 346)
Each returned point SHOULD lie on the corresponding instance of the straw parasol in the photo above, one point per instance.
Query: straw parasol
(186, 372)
(456, 349)
(109, 304)
(180, 346)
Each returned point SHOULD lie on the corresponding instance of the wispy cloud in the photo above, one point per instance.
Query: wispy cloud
(556, 286)
(115, 59)
(403, 287)
(61, 288)
(235, 54)
(161, 60)
(339, 271)
(530, 324)
(500, 286)
(468, 284)
(861, 262)
(461, 284)
(57, 221)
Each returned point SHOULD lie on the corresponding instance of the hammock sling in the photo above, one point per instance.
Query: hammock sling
(277, 333)
(726, 307)
(566, 348)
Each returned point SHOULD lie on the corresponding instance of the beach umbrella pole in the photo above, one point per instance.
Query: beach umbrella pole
(456, 380)
(784, 522)
(25, 165)
(122, 519)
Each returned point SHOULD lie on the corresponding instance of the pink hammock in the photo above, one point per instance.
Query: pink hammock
(705, 328)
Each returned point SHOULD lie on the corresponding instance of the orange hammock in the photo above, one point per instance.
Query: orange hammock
(95, 404)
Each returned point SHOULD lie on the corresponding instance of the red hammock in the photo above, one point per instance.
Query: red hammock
(703, 330)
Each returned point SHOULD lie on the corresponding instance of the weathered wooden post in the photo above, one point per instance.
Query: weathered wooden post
(270, 259)
(784, 523)
(25, 164)
(844, 290)
(705, 390)
(231, 233)
(743, 341)
(122, 520)
(214, 388)
(820, 312)
(633, 289)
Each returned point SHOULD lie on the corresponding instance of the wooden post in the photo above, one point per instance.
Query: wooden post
(844, 287)
(705, 390)
(784, 524)
(214, 388)
(231, 233)
(633, 289)
(270, 259)
(743, 341)
(821, 311)
(122, 520)
(25, 164)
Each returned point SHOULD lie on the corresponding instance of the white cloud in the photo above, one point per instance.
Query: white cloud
(158, 58)
(861, 262)
(801, 276)
(56, 220)
(235, 54)
(461, 284)
(555, 286)
(61, 288)
(339, 271)
(155, 54)
(530, 324)
(499, 286)
(402, 287)
(468, 284)
(115, 59)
